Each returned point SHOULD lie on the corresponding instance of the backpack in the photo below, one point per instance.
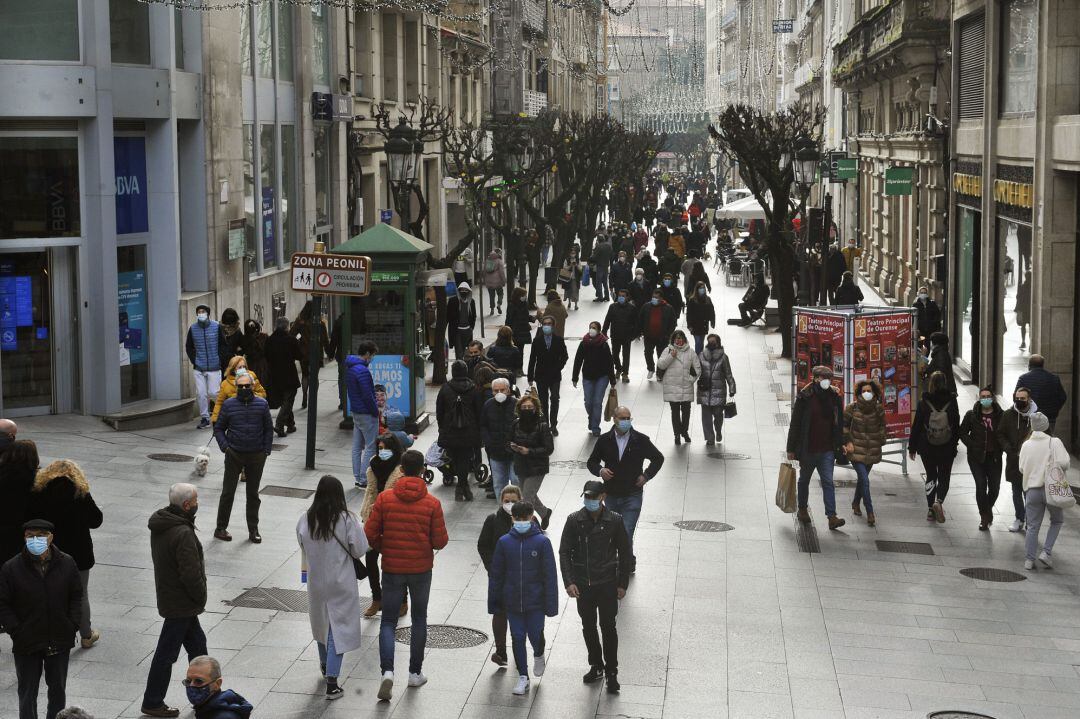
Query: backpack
(458, 416)
(489, 266)
(938, 431)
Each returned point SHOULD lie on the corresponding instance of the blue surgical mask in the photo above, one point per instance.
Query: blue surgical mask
(386, 454)
(548, 329)
(622, 300)
(37, 545)
(986, 401)
(701, 291)
(592, 505)
(522, 526)
(655, 301)
(203, 317)
(624, 425)
(197, 695)
(667, 283)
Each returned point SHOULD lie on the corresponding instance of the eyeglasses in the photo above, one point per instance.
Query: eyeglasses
(197, 683)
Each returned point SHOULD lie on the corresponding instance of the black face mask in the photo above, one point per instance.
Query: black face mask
(1021, 405)
(245, 394)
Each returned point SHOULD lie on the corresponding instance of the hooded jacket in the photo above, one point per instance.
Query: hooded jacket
(593, 359)
(1038, 453)
(716, 379)
(864, 428)
(226, 704)
(450, 437)
(179, 573)
(41, 612)
(62, 496)
(982, 443)
(360, 386)
(495, 526)
(680, 372)
(406, 526)
(523, 577)
(1014, 430)
(496, 425)
(918, 442)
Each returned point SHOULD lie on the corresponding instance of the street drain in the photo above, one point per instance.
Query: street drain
(989, 574)
(806, 537)
(279, 447)
(167, 457)
(727, 455)
(781, 419)
(956, 715)
(905, 547)
(702, 525)
(445, 636)
(276, 490)
(281, 600)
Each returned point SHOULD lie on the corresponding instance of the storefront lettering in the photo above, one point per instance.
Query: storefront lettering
(58, 207)
(970, 185)
(128, 186)
(1018, 194)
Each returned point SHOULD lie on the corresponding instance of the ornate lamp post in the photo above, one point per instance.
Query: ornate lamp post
(403, 150)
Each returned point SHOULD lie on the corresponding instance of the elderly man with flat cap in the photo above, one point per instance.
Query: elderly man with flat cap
(40, 607)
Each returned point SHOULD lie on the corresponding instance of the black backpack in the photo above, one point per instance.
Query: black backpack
(458, 416)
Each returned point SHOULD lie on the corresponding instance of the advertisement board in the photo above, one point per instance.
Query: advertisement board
(819, 340)
(131, 299)
(881, 351)
(392, 372)
(129, 160)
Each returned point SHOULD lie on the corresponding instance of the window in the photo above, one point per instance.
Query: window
(40, 30)
(129, 31)
(132, 301)
(268, 182)
(1019, 61)
(432, 65)
(412, 61)
(390, 57)
(264, 45)
(322, 175)
(285, 42)
(39, 187)
(245, 41)
(971, 68)
(178, 32)
(249, 189)
(289, 210)
(362, 32)
(320, 35)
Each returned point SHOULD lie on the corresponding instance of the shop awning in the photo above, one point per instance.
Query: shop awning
(745, 209)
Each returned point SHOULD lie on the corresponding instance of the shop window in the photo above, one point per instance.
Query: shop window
(284, 49)
(322, 175)
(129, 31)
(320, 35)
(1020, 54)
(39, 187)
(132, 301)
(40, 30)
(967, 318)
(26, 330)
(268, 182)
(1014, 294)
(289, 208)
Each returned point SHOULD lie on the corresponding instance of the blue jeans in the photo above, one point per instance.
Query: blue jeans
(183, 631)
(595, 394)
(630, 509)
(393, 590)
(502, 474)
(365, 430)
(529, 624)
(699, 343)
(862, 486)
(823, 463)
(600, 283)
(329, 657)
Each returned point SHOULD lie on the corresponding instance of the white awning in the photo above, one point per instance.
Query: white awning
(745, 209)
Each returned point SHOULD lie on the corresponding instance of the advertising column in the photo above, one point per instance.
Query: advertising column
(882, 350)
(819, 340)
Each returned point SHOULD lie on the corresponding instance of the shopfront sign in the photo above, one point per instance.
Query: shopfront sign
(845, 168)
(970, 185)
(331, 108)
(129, 162)
(783, 27)
(898, 180)
(331, 274)
(1018, 194)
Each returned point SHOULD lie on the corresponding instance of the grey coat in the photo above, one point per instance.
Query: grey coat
(678, 382)
(333, 595)
(716, 380)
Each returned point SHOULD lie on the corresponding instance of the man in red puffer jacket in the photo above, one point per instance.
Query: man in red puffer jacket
(406, 525)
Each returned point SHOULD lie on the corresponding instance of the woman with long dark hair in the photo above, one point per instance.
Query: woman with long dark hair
(935, 432)
(384, 471)
(331, 537)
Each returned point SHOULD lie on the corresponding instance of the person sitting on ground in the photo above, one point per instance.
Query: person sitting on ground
(752, 307)
(203, 687)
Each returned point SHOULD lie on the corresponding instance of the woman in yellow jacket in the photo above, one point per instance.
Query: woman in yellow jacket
(228, 384)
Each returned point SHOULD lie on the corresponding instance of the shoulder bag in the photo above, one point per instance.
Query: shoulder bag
(358, 566)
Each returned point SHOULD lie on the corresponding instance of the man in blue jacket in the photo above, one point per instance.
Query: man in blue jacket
(210, 701)
(522, 584)
(364, 407)
(204, 345)
(245, 432)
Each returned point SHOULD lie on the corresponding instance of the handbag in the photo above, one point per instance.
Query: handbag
(585, 276)
(730, 410)
(611, 405)
(358, 567)
(786, 498)
(1058, 492)
(565, 275)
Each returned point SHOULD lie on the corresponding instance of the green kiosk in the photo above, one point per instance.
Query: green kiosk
(391, 316)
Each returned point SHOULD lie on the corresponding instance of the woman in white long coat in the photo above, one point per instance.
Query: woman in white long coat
(331, 537)
(681, 367)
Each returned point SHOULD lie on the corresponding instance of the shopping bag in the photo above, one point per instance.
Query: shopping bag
(585, 276)
(786, 498)
(1058, 492)
(730, 410)
(611, 405)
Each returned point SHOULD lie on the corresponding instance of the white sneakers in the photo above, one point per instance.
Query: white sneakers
(522, 686)
(1016, 526)
(1045, 559)
(386, 688)
(540, 664)
(417, 680)
(1029, 564)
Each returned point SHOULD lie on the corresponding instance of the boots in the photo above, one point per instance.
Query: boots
(855, 509)
(836, 522)
(804, 515)
(870, 521)
(374, 609)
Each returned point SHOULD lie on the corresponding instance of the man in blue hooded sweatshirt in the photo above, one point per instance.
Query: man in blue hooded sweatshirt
(203, 687)
(364, 408)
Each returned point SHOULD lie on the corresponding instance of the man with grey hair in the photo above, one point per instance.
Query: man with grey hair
(203, 687)
(180, 581)
(74, 712)
(496, 420)
(814, 435)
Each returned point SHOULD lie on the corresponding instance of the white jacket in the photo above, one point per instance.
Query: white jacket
(1035, 456)
(678, 383)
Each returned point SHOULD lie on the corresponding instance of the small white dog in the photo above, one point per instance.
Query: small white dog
(202, 462)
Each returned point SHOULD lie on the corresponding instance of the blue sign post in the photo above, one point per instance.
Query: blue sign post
(129, 162)
(386, 216)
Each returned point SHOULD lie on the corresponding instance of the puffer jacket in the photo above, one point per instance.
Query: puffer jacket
(864, 427)
(458, 437)
(360, 386)
(406, 525)
(505, 357)
(61, 495)
(522, 577)
(678, 381)
(372, 492)
(245, 426)
(716, 379)
(495, 526)
(226, 704)
(700, 315)
(228, 389)
(1038, 452)
(1014, 431)
(541, 445)
(179, 573)
(496, 425)
(982, 443)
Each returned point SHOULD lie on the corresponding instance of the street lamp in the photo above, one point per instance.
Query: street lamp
(806, 161)
(402, 157)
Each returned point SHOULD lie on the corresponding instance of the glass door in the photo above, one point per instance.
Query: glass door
(26, 333)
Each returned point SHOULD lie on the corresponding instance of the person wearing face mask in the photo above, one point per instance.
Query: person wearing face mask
(253, 345)
(864, 436)
(647, 264)
(979, 433)
(40, 600)
(596, 561)
(657, 321)
(814, 437)
(593, 361)
(244, 432)
(204, 346)
(640, 289)
(383, 473)
(496, 420)
(622, 275)
(622, 321)
(203, 688)
(1015, 429)
(700, 315)
(546, 362)
(713, 388)
(237, 368)
(1041, 456)
(460, 319)
(935, 433)
(851, 255)
(497, 524)
(556, 310)
(927, 315)
(532, 445)
(673, 295)
(523, 585)
(180, 583)
(680, 368)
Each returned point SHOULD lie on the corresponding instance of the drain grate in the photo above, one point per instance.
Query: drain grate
(781, 419)
(950, 714)
(989, 574)
(279, 447)
(276, 490)
(281, 600)
(806, 537)
(167, 457)
(445, 636)
(884, 545)
(703, 525)
(727, 455)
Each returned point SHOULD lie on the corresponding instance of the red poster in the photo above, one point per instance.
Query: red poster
(882, 352)
(819, 340)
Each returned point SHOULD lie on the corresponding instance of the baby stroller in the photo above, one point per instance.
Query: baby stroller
(437, 457)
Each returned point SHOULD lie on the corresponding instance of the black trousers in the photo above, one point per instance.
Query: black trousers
(179, 632)
(251, 464)
(285, 419)
(621, 345)
(462, 461)
(749, 313)
(549, 400)
(601, 602)
(938, 474)
(680, 417)
(28, 670)
(534, 270)
(987, 475)
(653, 349)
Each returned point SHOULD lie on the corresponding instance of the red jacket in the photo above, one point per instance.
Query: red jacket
(406, 525)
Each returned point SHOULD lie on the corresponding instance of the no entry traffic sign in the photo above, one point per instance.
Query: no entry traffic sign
(331, 274)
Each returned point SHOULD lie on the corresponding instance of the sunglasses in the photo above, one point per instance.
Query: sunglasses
(197, 683)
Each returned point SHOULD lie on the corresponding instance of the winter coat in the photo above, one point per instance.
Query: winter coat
(648, 265)
(674, 297)
(458, 437)
(232, 342)
(360, 387)
(593, 359)
(1014, 430)
(680, 372)
(179, 574)
(677, 243)
(918, 442)
(837, 266)
(282, 354)
(522, 577)
(1038, 452)
(254, 346)
(245, 426)
(406, 526)
(371, 493)
(622, 321)
(627, 469)
(982, 444)
(848, 294)
(671, 264)
(301, 331)
(657, 321)
(700, 315)
(798, 438)
(716, 380)
(927, 317)
(519, 319)
(226, 704)
(495, 279)
(541, 446)
(941, 361)
(459, 314)
(546, 363)
(640, 293)
(16, 485)
(597, 552)
(333, 596)
(228, 389)
(1046, 390)
(557, 311)
(495, 526)
(621, 276)
(204, 347)
(505, 357)
(601, 254)
(496, 425)
(62, 496)
(864, 427)
(41, 612)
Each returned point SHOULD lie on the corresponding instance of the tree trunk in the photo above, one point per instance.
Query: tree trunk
(782, 262)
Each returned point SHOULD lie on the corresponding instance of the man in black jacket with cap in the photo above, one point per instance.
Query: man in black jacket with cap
(40, 607)
(594, 556)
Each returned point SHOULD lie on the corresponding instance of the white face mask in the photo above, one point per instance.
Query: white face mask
(592, 332)
(825, 383)
(923, 296)
(507, 506)
(867, 396)
(202, 317)
(500, 397)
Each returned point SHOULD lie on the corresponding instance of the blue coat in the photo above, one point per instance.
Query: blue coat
(523, 577)
(204, 347)
(244, 426)
(361, 387)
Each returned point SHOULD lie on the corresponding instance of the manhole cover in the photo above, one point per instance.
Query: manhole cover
(281, 600)
(989, 574)
(167, 457)
(905, 547)
(276, 490)
(702, 525)
(780, 419)
(279, 447)
(806, 537)
(445, 636)
(727, 455)
(956, 715)
(569, 464)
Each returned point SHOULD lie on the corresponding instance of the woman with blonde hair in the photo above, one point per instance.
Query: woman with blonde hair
(237, 368)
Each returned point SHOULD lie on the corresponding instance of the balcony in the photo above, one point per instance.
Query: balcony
(533, 102)
(534, 17)
(887, 42)
(805, 75)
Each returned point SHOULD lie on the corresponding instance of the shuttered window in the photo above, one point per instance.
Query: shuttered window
(972, 67)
